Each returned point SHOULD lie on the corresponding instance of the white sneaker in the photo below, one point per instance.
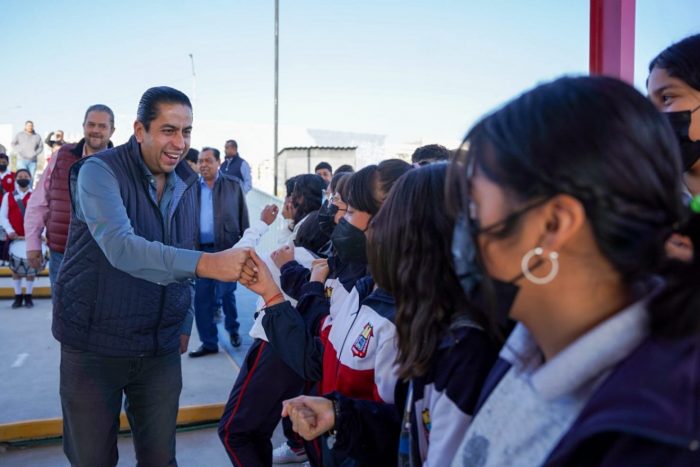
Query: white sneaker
(283, 454)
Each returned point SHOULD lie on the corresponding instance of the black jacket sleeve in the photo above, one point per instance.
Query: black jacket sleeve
(292, 277)
(368, 431)
(290, 336)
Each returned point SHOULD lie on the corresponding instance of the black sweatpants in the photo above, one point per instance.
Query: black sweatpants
(255, 404)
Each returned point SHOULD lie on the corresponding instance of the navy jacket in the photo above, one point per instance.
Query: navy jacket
(230, 211)
(645, 413)
(102, 309)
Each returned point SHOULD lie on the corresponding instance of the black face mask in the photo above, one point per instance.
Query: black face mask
(349, 243)
(326, 217)
(3, 167)
(493, 295)
(23, 183)
(489, 294)
(680, 122)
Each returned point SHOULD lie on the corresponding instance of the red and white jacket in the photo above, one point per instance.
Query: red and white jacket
(360, 346)
(351, 351)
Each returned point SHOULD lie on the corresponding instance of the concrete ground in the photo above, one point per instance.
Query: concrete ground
(195, 448)
(29, 362)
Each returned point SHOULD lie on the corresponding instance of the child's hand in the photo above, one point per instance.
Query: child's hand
(282, 256)
(256, 276)
(310, 416)
(319, 270)
(269, 214)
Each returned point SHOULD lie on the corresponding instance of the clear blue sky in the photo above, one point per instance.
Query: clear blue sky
(408, 69)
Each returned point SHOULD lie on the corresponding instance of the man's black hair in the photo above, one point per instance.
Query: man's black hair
(192, 155)
(214, 151)
(153, 97)
(323, 165)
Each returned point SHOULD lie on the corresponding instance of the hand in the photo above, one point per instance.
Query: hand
(184, 342)
(319, 270)
(34, 258)
(224, 266)
(282, 256)
(310, 416)
(269, 214)
(11, 235)
(288, 208)
(680, 247)
(257, 277)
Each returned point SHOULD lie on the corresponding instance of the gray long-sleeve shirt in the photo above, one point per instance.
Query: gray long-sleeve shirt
(98, 203)
(28, 146)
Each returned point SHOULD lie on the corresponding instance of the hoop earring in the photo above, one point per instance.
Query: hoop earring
(525, 266)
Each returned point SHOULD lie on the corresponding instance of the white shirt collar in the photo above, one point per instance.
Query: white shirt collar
(587, 358)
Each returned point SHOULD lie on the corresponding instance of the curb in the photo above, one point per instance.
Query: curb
(53, 427)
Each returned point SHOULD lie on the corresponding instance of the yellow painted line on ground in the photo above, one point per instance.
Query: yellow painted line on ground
(53, 427)
(5, 272)
(38, 292)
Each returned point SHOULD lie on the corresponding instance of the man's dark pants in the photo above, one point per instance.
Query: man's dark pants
(92, 387)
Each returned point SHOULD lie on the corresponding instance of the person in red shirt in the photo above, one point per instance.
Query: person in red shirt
(7, 183)
(14, 203)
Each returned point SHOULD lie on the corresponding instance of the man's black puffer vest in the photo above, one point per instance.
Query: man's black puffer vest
(101, 309)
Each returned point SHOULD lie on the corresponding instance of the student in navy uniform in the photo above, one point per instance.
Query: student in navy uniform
(293, 276)
(345, 341)
(254, 405)
(446, 371)
(673, 86)
(569, 194)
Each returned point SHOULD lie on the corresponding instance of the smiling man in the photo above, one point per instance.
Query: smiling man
(49, 206)
(123, 298)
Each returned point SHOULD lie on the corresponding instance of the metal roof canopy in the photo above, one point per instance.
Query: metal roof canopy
(290, 153)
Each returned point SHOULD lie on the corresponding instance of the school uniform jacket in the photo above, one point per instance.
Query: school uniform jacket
(442, 406)
(357, 339)
(295, 332)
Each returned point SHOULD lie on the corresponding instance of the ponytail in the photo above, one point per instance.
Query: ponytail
(675, 312)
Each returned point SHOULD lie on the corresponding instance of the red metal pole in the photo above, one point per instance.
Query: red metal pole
(612, 38)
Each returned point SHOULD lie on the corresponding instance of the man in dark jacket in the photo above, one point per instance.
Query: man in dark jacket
(122, 305)
(223, 217)
(237, 167)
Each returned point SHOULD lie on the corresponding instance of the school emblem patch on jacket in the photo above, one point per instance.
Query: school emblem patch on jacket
(427, 424)
(359, 348)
